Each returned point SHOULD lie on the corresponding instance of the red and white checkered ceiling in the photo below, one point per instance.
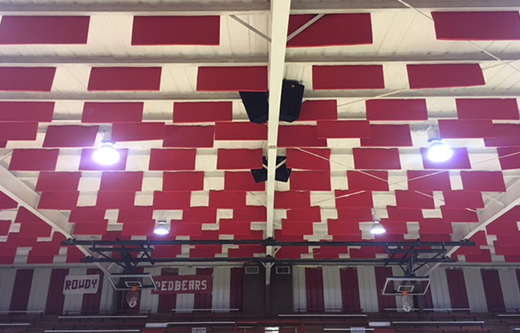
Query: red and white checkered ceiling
(165, 83)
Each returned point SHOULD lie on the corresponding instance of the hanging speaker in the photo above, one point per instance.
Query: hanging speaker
(292, 96)
(282, 172)
(256, 105)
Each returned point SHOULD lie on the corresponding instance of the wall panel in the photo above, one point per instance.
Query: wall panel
(221, 288)
(7, 278)
(439, 289)
(21, 290)
(476, 296)
(510, 289)
(299, 291)
(368, 292)
(72, 303)
(331, 287)
(39, 288)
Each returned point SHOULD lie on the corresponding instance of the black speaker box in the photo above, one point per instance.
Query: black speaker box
(292, 96)
(257, 107)
(282, 172)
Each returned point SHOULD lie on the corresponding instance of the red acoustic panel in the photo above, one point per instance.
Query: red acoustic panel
(171, 200)
(459, 160)
(89, 229)
(252, 78)
(310, 181)
(397, 109)
(466, 129)
(299, 136)
(458, 215)
(26, 78)
(135, 214)
(34, 159)
(172, 159)
(176, 30)
(199, 112)
(343, 129)
(200, 215)
(370, 159)
(144, 228)
(297, 228)
(429, 180)
(240, 131)
(124, 112)
(233, 227)
(435, 227)
(509, 158)
(137, 131)
(227, 199)
(26, 111)
(239, 159)
(6, 202)
(349, 29)
(4, 227)
(292, 199)
(394, 227)
(445, 76)
(115, 200)
(241, 181)
(70, 136)
(58, 200)
(308, 159)
(87, 215)
(58, 181)
(44, 29)
(388, 136)
(312, 215)
(189, 136)
(347, 77)
(319, 110)
(18, 131)
(506, 135)
(332, 252)
(87, 163)
(463, 199)
(512, 214)
(355, 215)
(183, 181)
(414, 199)
(370, 181)
(477, 25)
(404, 214)
(125, 79)
(205, 251)
(353, 199)
(487, 109)
(502, 228)
(25, 216)
(339, 228)
(121, 181)
(485, 181)
(250, 213)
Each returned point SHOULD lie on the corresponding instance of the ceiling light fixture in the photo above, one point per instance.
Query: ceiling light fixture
(162, 228)
(377, 228)
(438, 151)
(107, 154)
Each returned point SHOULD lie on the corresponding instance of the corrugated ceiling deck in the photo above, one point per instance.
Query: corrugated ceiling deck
(218, 194)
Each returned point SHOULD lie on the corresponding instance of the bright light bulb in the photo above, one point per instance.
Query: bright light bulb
(377, 228)
(161, 228)
(106, 155)
(439, 152)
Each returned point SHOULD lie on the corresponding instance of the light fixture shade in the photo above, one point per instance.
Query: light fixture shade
(106, 155)
(377, 228)
(439, 152)
(161, 228)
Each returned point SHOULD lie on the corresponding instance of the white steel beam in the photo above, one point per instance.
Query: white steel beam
(279, 24)
(255, 60)
(27, 198)
(242, 7)
(230, 96)
(493, 210)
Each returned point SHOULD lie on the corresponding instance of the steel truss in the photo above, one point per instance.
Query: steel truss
(409, 256)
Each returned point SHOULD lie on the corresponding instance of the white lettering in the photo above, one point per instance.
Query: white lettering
(185, 285)
(204, 284)
(177, 285)
(197, 285)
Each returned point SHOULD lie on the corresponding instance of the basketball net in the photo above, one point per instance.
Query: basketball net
(132, 297)
(407, 301)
